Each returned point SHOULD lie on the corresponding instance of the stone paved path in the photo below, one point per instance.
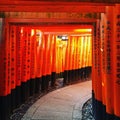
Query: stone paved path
(63, 104)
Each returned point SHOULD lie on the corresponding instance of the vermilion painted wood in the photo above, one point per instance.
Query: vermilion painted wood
(37, 6)
(109, 59)
(116, 54)
(49, 2)
(51, 8)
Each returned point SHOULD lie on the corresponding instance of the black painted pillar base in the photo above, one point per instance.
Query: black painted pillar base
(5, 107)
(73, 76)
(82, 73)
(89, 72)
(32, 86)
(38, 85)
(104, 112)
(99, 110)
(116, 118)
(65, 81)
(93, 104)
(109, 116)
(13, 99)
(76, 75)
(18, 96)
(47, 82)
(79, 74)
(53, 79)
(69, 77)
(43, 86)
(24, 91)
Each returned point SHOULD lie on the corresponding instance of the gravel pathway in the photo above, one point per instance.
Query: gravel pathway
(87, 111)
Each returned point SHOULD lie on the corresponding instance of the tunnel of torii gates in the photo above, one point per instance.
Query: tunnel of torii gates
(34, 52)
